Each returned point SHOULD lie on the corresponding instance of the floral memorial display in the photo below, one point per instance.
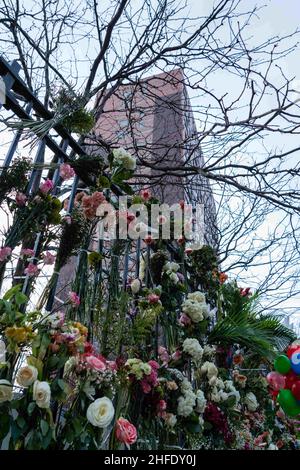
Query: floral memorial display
(157, 350)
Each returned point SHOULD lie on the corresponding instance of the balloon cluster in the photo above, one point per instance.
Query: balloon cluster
(285, 382)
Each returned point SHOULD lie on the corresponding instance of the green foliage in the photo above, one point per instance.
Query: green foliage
(14, 178)
(262, 334)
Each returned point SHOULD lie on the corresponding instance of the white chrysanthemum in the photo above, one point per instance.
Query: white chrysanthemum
(197, 311)
(185, 407)
(210, 369)
(200, 401)
(192, 347)
(123, 158)
(173, 277)
(170, 267)
(197, 297)
(209, 350)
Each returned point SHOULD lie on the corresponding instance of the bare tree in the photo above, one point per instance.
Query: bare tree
(99, 49)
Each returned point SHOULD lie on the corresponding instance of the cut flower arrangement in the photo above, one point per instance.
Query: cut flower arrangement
(172, 355)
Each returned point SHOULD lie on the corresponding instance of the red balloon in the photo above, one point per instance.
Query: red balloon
(296, 390)
(291, 349)
(290, 379)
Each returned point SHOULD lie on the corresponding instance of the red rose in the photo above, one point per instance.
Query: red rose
(125, 431)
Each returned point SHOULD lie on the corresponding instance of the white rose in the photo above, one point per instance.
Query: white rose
(101, 412)
(135, 286)
(26, 376)
(5, 391)
(42, 394)
(251, 401)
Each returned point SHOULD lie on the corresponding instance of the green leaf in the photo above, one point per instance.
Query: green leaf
(31, 407)
(21, 422)
(44, 427)
(35, 362)
(4, 425)
(20, 298)
(104, 182)
(62, 384)
(44, 345)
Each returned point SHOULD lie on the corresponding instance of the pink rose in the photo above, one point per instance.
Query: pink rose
(21, 199)
(184, 320)
(188, 251)
(95, 363)
(5, 252)
(153, 298)
(66, 171)
(176, 355)
(27, 252)
(125, 431)
(48, 258)
(46, 186)
(162, 220)
(163, 355)
(74, 299)
(31, 269)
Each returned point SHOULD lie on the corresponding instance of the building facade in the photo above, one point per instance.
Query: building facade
(153, 120)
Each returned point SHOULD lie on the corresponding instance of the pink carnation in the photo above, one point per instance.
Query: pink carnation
(47, 186)
(153, 298)
(5, 252)
(74, 299)
(21, 199)
(31, 269)
(48, 258)
(27, 252)
(66, 171)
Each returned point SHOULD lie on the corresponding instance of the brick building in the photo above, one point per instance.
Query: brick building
(153, 120)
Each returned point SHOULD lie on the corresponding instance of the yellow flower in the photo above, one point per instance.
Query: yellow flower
(82, 329)
(18, 334)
